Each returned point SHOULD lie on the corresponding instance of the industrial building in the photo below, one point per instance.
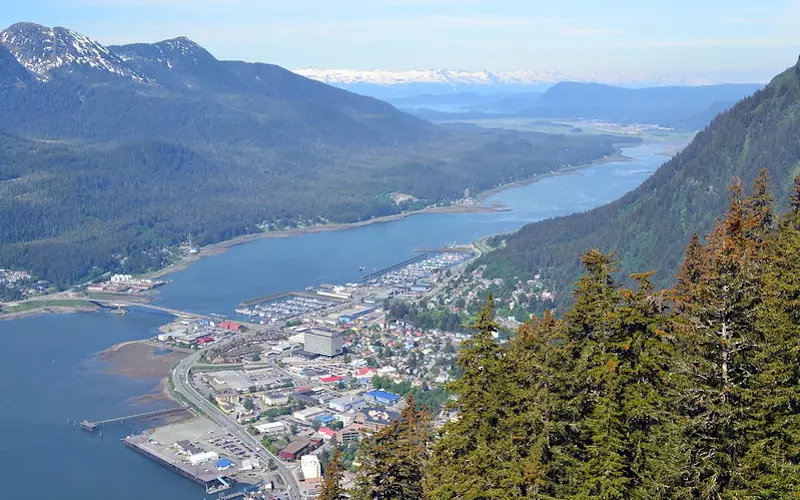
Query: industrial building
(324, 342)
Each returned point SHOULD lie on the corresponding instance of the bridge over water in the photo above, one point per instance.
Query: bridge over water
(118, 304)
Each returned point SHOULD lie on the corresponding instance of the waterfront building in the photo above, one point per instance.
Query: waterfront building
(324, 342)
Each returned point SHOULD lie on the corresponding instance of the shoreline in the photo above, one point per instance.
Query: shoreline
(223, 246)
(47, 309)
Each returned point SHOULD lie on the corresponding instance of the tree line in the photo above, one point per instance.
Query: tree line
(688, 393)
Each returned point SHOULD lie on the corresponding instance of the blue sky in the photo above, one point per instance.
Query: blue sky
(725, 40)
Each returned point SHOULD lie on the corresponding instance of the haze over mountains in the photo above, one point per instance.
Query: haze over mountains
(110, 156)
(385, 84)
(688, 108)
(650, 226)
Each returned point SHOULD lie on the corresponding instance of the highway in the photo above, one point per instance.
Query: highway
(180, 378)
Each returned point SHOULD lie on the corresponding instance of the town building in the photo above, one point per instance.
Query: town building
(349, 434)
(275, 399)
(308, 414)
(271, 428)
(382, 397)
(324, 342)
(347, 403)
(312, 470)
(227, 397)
(231, 326)
(375, 419)
(298, 448)
(201, 458)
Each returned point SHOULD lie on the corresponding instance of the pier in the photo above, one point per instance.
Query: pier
(93, 426)
(396, 266)
(213, 481)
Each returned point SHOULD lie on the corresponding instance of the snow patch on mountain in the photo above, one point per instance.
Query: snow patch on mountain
(42, 50)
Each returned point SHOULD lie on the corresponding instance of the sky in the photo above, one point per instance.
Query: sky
(722, 40)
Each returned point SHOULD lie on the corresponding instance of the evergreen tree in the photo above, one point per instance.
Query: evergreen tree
(589, 325)
(472, 453)
(534, 359)
(394, 458)
(691, 270)
(773, 462)
(716, 322)
(334, 470)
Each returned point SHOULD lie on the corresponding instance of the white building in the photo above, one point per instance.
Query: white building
(275, 399)
(119, 278)
(200, 458)
(323, 342)
(308, 414)
(271, 428)
(310, 466)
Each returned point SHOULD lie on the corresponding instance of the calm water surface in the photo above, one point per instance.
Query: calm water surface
(50, 372)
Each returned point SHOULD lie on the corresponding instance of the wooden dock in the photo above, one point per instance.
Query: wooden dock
(93, 426)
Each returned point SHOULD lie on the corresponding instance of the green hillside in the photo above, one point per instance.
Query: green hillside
(649, 227)
(108, 171)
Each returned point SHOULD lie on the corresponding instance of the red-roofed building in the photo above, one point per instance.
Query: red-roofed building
(366, 372)
(326, 433)
(205, 340)
(330, 380)
(231, 326)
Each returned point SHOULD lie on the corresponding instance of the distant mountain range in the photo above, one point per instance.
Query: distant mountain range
(399, 84)
(650, 226)
(111, 156)
(688, 108)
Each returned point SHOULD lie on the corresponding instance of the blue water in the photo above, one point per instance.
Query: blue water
(50, 372)
(264, 267)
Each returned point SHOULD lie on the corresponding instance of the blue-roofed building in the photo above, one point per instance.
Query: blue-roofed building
(224, 464)
(382, 397)
(324, 419)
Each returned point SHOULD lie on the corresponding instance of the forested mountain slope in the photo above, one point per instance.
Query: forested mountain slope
(649, 227)
(109, 156)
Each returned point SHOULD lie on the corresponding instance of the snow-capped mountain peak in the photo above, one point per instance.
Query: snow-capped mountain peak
(43, 50)
(439, 76)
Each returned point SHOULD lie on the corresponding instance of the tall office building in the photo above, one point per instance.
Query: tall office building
(323, 342)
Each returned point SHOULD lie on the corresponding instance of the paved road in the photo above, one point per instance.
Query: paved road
(180, 377)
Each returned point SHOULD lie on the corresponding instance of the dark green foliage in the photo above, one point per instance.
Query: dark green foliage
(334, 470)
(393, 459)
(428, 319)
(650, 226)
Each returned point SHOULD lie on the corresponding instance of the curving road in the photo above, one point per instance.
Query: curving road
(180, 378)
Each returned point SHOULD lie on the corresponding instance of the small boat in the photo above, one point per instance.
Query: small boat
(361, 268)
